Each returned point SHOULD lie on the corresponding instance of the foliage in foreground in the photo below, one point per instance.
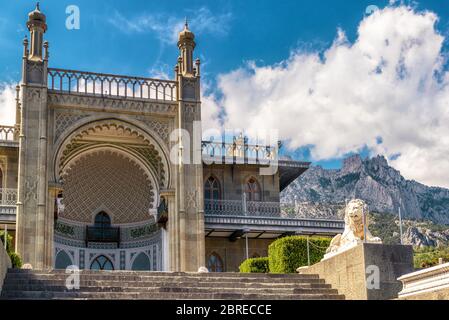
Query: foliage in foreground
(15, 258)
(255, 265)
(285, 255)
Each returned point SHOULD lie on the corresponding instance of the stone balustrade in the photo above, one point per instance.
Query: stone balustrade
(228, 151)
(109, 85)
(8, 197)
(8, 133)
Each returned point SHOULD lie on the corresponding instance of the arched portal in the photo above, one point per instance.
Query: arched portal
(111, 174)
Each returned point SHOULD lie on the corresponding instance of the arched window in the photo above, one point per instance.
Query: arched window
(102, 220)
(214, 263)
(212, 189)
(141, 263)
(252, 190)
(62, 260)
(101, 263)
(1, 178)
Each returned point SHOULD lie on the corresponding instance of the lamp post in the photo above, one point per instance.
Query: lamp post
(246, 243)
(400, 220)
(364, 223)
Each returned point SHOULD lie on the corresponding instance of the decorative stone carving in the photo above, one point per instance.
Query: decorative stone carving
(104, 180)
(188, 89)
(158, 126)
(35, 72)
(192, 200)
(354, 232)
(108, 103)
(64, 120)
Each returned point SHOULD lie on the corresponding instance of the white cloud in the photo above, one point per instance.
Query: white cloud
(7, 104)
(389, 84)
(167, 27)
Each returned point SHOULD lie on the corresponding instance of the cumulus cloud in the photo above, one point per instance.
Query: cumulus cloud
(388, 92)
(167, 27)
(7, 104)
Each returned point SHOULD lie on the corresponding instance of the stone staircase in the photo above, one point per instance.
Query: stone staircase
(50, 284)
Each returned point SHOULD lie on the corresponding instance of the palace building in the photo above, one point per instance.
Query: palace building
(110, 172)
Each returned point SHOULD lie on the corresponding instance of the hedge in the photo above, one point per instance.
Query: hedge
(255, 265)
(16, 261)
(287, 254)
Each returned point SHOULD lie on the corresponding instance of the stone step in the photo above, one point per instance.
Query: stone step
(161, 273)
(150, 278)
(156, 289)
(164, 296)
(230, 284)
(50, 284)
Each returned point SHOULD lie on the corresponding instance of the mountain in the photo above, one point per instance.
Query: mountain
(373, 180)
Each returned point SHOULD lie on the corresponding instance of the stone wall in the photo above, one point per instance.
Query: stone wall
(349, 271)
(234, 253)
(5, 263)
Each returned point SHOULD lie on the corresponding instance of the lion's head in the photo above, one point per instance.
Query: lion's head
(354, 213)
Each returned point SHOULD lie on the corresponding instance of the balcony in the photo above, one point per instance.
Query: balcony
(268, 220)
(242, 208)
(103, 234)
(8, 200)
(238, 152)
(109, 85)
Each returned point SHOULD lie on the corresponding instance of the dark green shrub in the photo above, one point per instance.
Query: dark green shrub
(16, 261)
(9, 241)
(255, 265)
(287, 254)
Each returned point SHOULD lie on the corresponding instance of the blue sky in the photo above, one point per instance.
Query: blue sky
(137, 37)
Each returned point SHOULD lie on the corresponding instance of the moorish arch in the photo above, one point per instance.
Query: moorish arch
(130, 137)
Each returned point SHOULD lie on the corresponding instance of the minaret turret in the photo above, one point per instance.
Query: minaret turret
(37, 26)
(186, 45)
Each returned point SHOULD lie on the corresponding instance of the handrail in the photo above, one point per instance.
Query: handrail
(273, 209)
(8, 197)
(83, 82)
(237, 150)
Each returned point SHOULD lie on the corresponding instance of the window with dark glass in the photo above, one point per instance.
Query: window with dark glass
(212, 189)
(252, 190)
(101, 263)
(214, 263)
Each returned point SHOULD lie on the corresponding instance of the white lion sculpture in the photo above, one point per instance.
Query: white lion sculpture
(354, 229)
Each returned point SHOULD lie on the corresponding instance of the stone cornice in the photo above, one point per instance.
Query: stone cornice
(106, 103)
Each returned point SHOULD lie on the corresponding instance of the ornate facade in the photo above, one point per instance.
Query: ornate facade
(100, 172)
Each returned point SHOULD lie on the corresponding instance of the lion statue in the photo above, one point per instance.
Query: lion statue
(354, 229)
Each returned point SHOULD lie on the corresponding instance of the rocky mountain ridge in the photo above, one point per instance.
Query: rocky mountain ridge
(383, 188)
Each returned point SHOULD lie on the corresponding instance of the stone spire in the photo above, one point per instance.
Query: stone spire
(186, 45)
(37, 26)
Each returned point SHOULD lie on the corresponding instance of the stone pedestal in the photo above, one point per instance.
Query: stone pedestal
(366, 272)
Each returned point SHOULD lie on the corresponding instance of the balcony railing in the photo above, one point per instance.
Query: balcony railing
(7, 133)
(255, 153)
(97, 234)
(273, 209)
(242, 208)
(110, 85)
(8, 197)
